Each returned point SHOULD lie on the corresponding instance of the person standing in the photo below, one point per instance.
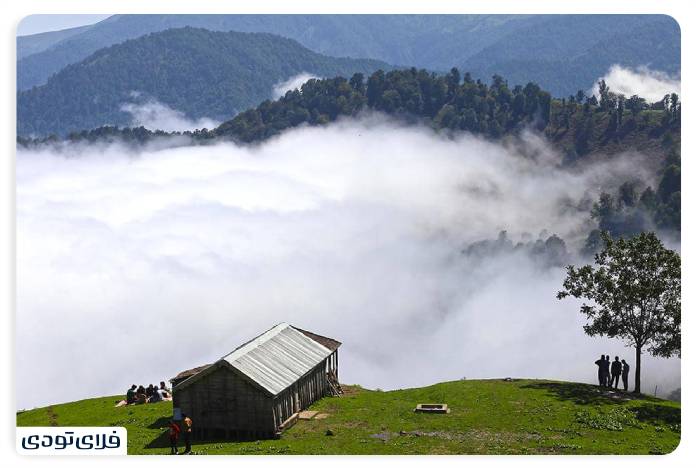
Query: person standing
(615, 372)
(188, 423)
(624, 374)
(174, 436)
(607, 377)
(600, 370)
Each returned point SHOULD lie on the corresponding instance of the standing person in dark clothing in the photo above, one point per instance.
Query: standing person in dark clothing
(615, 372)
(600, 370)
(624, 374)
(187, 432)
(174, 436)
(607, 375)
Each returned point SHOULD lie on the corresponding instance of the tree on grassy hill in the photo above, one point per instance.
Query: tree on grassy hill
(633, 293)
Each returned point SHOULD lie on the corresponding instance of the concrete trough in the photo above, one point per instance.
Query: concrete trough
(436, 408)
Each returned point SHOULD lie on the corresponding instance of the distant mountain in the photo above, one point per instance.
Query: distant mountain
(198, 72)
(398, 39)
(565, 54)
(562, 53)
(35, 43)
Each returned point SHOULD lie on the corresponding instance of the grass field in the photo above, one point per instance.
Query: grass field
(487, 417)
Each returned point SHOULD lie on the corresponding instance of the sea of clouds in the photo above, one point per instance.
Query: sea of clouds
(134, 266)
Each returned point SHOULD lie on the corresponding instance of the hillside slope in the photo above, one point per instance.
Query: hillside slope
(195, 71)
(402, 38)
(562, 53)
(487, 417)
(569, 54)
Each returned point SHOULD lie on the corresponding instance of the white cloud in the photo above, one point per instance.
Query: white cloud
(646, 83)
(155, 115)
(294, 82)
(131, 268)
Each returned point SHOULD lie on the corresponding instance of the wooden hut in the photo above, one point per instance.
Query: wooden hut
(258, 389)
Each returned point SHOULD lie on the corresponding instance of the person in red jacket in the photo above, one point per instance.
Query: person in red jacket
(174, 431)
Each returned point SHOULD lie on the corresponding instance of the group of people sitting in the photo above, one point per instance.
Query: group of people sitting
(138, 395)
(610, 372)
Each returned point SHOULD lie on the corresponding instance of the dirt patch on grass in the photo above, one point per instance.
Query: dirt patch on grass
(351, 389)
(474, 435)
(501, 437)
(446, 435)
(355, 424)
(52, 416)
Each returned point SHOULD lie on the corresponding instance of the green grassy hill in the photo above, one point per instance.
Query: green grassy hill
(487, 417)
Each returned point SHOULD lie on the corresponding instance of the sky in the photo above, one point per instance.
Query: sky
(35, 24)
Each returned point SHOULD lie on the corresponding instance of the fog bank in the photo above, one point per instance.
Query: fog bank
(292, 83)
(646, 83)
(155, 115)
(131, 268)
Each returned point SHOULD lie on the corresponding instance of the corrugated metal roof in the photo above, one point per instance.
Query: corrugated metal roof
(278, 357)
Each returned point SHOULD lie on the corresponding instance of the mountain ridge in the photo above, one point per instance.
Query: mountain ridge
(435, 42)
(197, 72)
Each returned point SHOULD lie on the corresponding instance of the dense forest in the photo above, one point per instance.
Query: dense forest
(579, 126)
(447, 101)
(198, 72)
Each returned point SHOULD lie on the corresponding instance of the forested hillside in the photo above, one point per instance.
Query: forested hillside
(405, 39)
(564, 54)
(579, 126)
(561, 53)
(195, 71)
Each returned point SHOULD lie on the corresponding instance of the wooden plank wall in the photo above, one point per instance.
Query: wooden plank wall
(223, 404)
